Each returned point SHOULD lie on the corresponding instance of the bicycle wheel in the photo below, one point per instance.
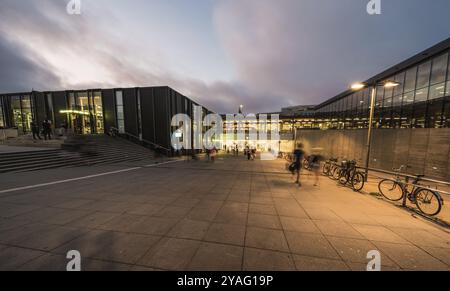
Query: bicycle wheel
(391, 190)
(335, 173)
(428, 201)
(358, 181)
(326, 169)
(344, 177)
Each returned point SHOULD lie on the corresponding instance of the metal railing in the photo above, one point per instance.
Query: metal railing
(412, 177)
(136, 139)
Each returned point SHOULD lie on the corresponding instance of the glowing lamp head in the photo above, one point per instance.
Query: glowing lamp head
(358, 86)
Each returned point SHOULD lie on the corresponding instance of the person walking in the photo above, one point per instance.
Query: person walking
(315, 167)
(298, 158)
(35, 131)
(47, 129)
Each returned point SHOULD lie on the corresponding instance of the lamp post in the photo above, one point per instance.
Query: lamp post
(374, 87)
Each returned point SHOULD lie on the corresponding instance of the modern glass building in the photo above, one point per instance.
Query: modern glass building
(422, 100)
(143, 113)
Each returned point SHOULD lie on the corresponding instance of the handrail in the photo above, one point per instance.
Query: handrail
(408, 176)
(154, 145)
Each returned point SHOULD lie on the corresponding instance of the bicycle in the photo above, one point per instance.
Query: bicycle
(429, 202)
(349, 174)
(328, 165)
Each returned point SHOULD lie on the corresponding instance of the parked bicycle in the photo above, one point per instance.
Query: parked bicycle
(348, 174)
(328, 166)
(427, 200)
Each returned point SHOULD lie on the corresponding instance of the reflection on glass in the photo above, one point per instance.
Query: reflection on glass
(17, 113)
(439, 69)
(410, 80)
(98, 112)
(408, 98)
(437, 91)
(120, 112)
(27, 113)
(423, 76)
(421, 95)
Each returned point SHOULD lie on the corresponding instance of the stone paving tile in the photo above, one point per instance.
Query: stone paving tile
(146, 209)
(170, 254)
(93, 220)
(264, 221)
(10, 210)
(226, 233)
(231, 217)
(337, 228)
(264, 260)
(268, 239)
(190, 229)
(379, 233)
(421, 237)
(74, 203)
(411, 257)
(202, 214)
(111, 246)
(40, 236)
(356, 250)
(298, 225)
(173, 212)
(52, 262)
(262, 209)
(322, 214)
(309, 244)
(305, 263)
(441, 253)
(12, 258)
(217, 257)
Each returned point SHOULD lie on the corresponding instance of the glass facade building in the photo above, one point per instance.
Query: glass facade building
(422, 100)
(142, 113)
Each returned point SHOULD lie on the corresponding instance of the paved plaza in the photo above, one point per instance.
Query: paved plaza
(230, 215)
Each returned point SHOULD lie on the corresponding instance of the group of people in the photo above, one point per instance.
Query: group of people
(297, 165)
(250, 153)
(46, 130)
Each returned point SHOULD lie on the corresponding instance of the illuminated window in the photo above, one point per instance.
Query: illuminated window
(2, 118)
(119, 111)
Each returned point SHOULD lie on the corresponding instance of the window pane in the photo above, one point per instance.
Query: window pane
(422, 95)
(439, 69)
(437, 91)
(120, 114)
(410, 81)
(400, 78)
(397, 101)
(408, 98)
(17, 112)
(27, 115)
(423, 77)
(119, 98)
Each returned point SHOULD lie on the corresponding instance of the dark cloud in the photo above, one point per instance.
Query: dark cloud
(21, 71)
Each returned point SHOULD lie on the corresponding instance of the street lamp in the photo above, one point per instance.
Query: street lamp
(374, 86)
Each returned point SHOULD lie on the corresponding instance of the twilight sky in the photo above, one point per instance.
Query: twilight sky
(265, 54)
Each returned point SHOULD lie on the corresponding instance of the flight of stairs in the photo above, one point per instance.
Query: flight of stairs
(76, 151)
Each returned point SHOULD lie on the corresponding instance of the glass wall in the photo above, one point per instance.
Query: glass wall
(120, 112)
(22, 112)
(2, 116)
(421, 100)
(86, 112)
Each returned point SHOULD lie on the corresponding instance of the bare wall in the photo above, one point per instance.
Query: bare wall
(426, 151)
